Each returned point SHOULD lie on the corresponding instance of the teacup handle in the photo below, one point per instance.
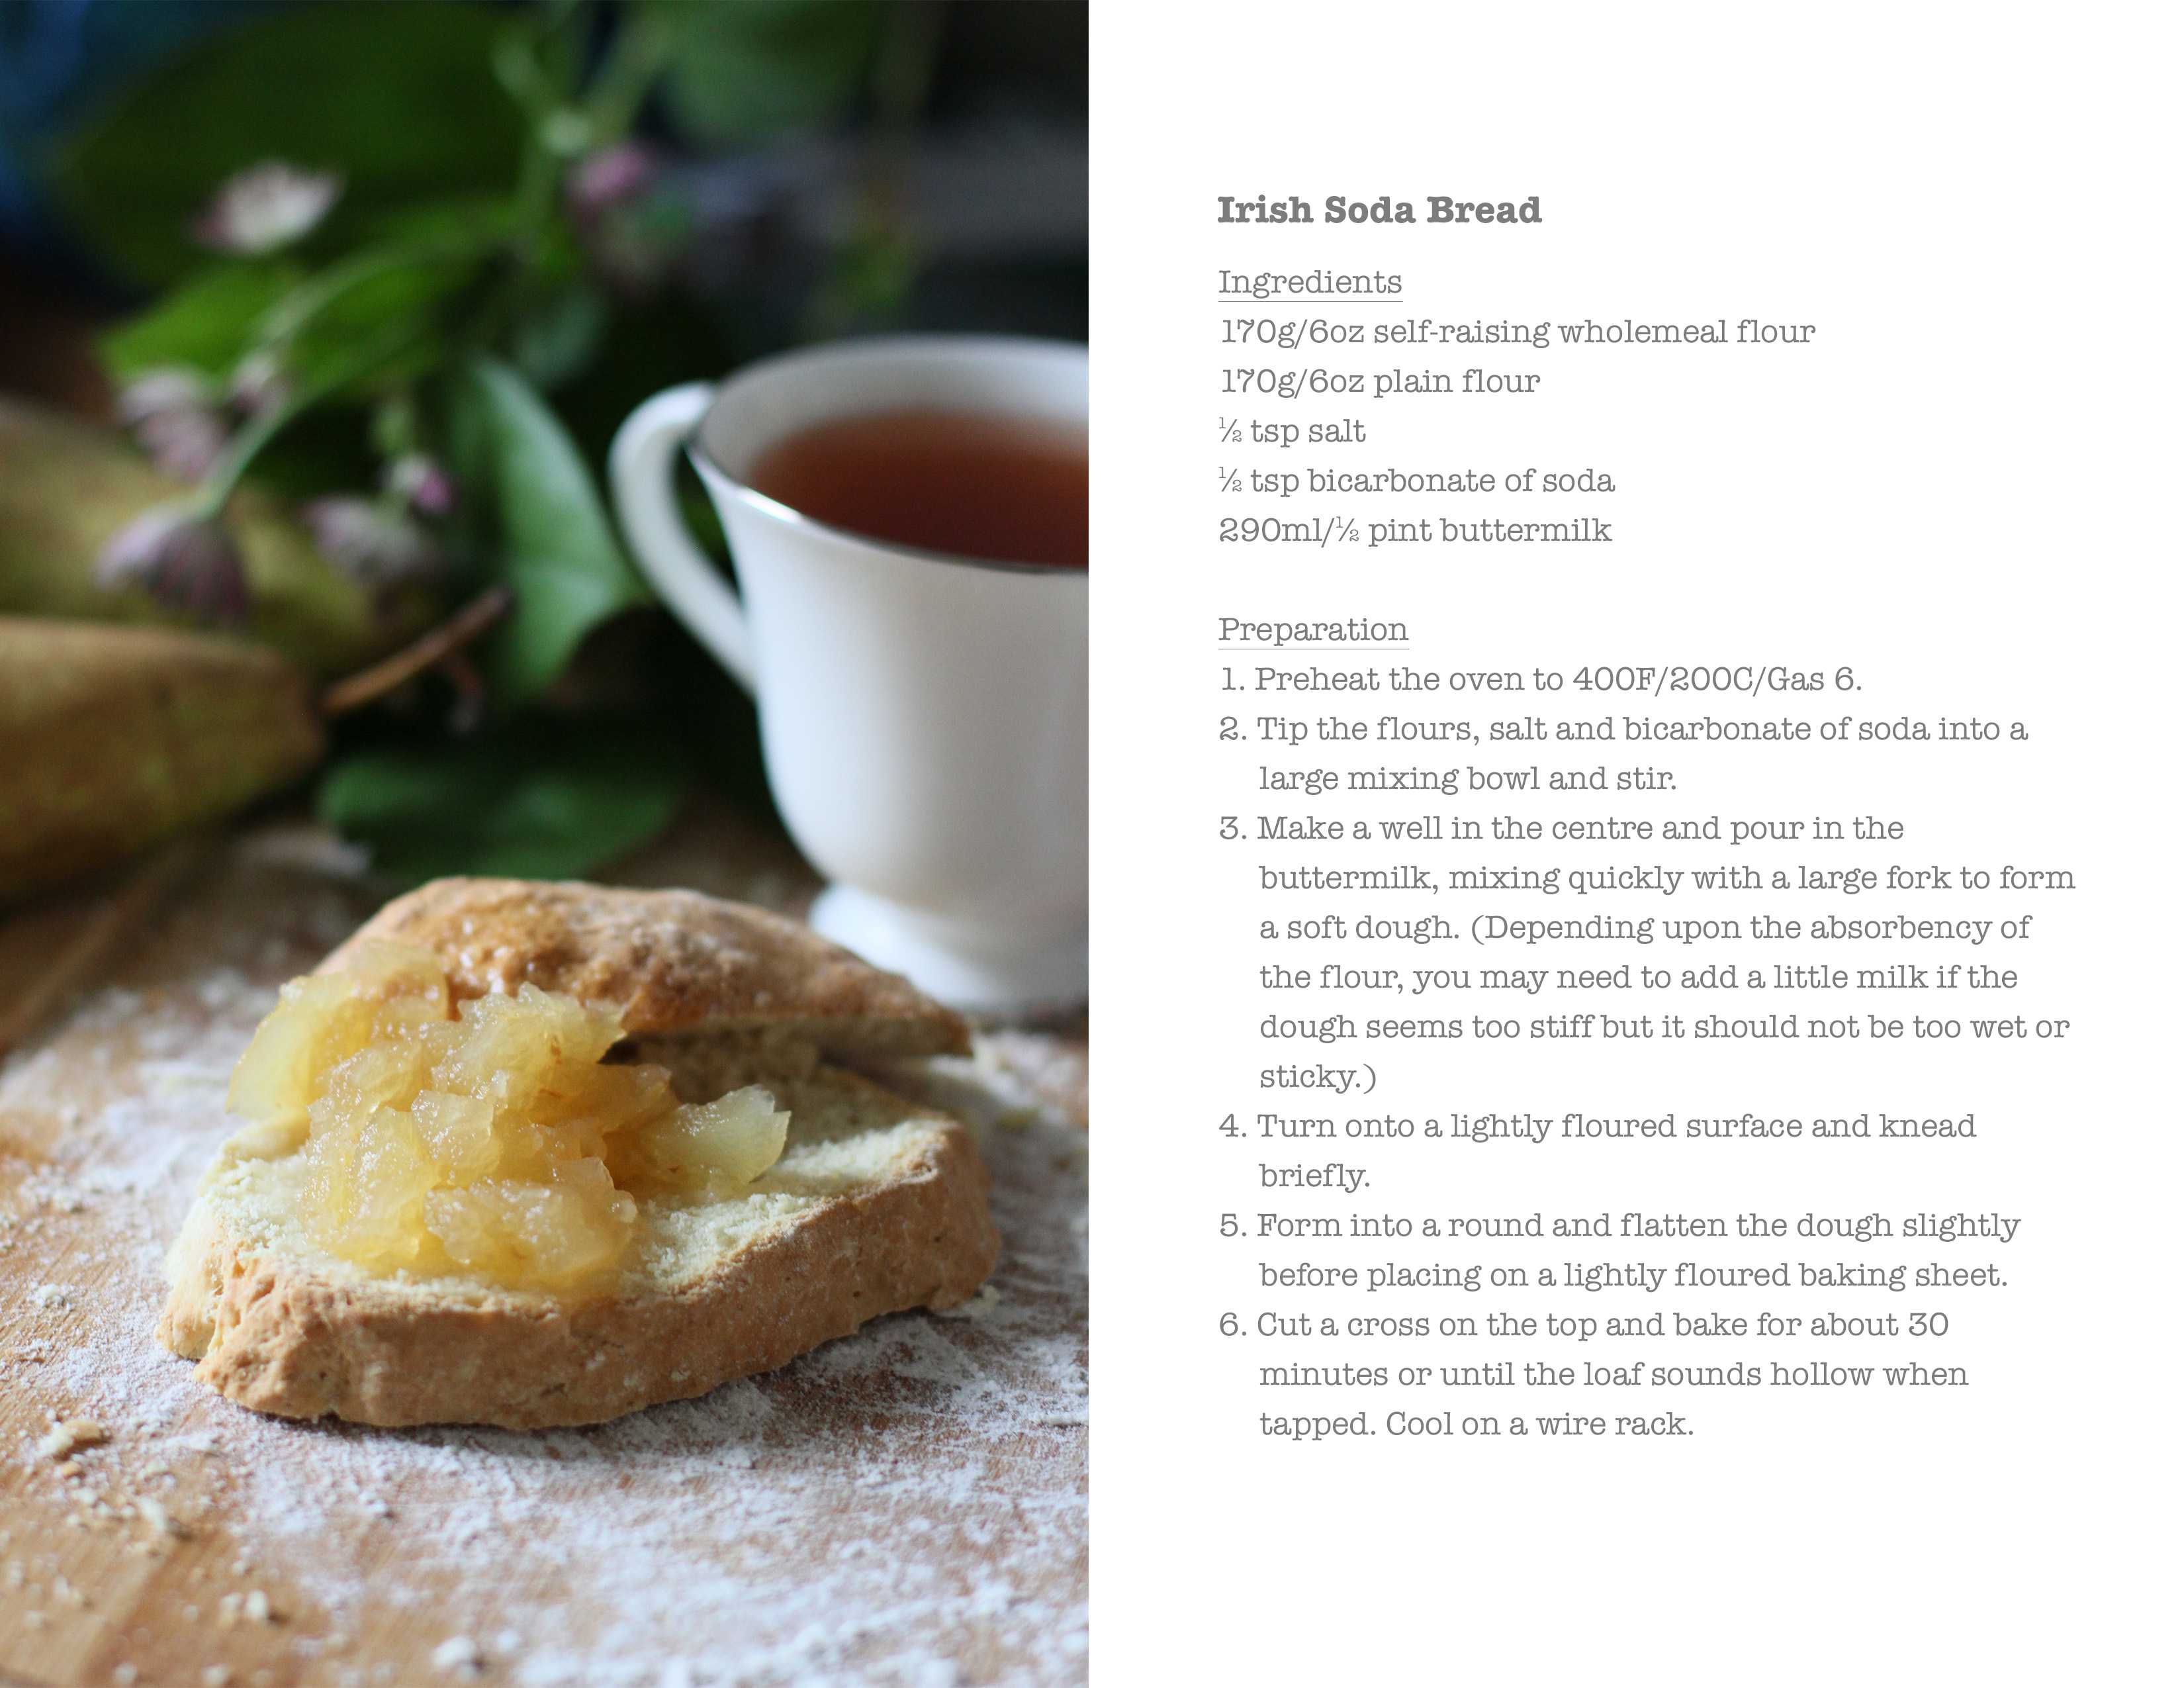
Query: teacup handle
(641, 469)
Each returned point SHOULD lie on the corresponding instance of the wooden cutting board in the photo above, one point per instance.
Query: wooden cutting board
(904, 1505)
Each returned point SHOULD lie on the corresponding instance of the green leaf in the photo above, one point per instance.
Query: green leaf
(400, 99)
(475, 220)
(740, 73)
(556, 342)
(535, 798)
(208, 323)
(559, 553)
(394, 303)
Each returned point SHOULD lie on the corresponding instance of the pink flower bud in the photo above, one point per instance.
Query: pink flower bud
(172, 388)
(267, 207)
(186, 561)
(611, 176)
(259, 383)
(172, 415)
(185, 443)
(421, 483)
(376, 544)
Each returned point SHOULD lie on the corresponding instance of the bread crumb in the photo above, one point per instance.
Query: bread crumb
(70, 1435)
(49, 1296)
(257, 1608)
(231, 1608)
(36, 1620)
(978, 1307)
(460, 1654)
(156, 1515)
(192, 1613)
(125, 1674)
(214, 1676)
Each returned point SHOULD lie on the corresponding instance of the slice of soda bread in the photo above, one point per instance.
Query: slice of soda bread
(876, 1205)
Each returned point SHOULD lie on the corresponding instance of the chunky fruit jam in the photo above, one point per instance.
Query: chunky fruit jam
(484, 1138)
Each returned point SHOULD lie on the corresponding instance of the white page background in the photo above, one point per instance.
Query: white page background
(1961, 489)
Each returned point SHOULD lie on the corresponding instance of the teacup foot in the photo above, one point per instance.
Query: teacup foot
(964, 970)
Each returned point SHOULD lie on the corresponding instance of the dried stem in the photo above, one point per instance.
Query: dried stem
(371, 684)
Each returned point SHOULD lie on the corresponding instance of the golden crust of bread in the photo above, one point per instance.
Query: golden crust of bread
(277, 1335)
(678, 964)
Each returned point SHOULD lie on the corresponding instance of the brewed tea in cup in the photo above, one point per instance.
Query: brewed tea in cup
(988, 489)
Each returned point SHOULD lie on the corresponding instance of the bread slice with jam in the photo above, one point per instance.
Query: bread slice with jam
(516, 1155)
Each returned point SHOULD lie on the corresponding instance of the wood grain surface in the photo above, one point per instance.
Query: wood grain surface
(904, 1505)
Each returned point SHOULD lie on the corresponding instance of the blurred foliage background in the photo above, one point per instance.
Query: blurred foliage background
(357, 294)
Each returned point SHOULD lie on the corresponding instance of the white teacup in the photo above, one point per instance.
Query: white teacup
(923, 717)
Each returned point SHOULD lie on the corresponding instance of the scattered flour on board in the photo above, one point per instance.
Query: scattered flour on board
(904, 1505)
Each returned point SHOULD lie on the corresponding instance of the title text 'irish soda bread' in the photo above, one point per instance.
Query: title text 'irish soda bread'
(524, 1233)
